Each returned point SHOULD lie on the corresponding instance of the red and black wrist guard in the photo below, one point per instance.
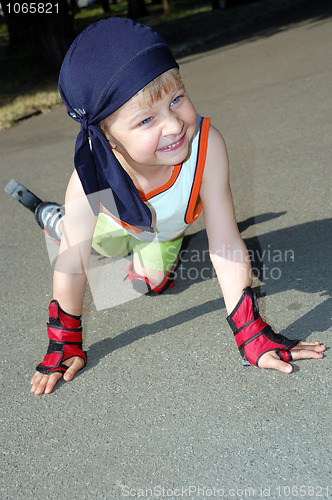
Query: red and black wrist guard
(65, 340)
(253, 336)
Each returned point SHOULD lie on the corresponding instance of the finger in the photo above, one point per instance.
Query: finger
(302, 342)
(35, 379)
(52, 380)
(75, 364)
(306, 354)
(312, 346)
(270, 360)
(44, 383)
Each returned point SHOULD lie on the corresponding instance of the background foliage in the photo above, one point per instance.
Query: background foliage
(32, 46)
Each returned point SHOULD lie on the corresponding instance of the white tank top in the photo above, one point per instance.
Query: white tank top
(176, 204)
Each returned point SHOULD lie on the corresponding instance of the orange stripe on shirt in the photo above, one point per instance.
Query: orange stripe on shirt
(125, 225)
(195, 205)
(161, 189)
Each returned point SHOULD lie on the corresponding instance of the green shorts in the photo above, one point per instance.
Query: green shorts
(116, 243)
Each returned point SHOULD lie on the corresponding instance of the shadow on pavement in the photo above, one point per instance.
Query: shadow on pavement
(260, 23)
(296, 258)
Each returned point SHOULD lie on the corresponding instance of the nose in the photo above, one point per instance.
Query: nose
(172, 125)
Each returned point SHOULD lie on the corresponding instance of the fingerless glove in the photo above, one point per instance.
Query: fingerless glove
(253, 336)
(65, 340)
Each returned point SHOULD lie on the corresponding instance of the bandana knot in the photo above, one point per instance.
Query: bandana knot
(85, 126)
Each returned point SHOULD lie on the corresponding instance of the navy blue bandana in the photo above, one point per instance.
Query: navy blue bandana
(107, 64)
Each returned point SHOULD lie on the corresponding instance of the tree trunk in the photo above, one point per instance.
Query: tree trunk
(236, 3)
(43, 37)
(105, 6)
(136, 8)
(165, 3)
(74, 7)
(166, 7)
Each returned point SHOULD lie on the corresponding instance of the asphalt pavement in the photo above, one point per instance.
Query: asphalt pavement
(164, 408)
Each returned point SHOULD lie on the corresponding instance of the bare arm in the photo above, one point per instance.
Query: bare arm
(70, 273)
(73, 259)
(227, 250)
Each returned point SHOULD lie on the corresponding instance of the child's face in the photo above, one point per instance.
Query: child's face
(158, 134)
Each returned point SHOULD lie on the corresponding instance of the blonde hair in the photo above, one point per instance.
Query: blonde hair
(167, 82)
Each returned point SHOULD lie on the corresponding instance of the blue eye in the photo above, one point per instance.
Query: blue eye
(175, 101)
(147, 120)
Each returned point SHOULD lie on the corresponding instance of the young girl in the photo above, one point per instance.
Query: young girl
(145, 166)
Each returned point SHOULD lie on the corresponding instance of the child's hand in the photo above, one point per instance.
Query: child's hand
(303, 350)
(44, 384)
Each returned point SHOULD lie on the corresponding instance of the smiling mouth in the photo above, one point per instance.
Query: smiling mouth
(174, 146)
